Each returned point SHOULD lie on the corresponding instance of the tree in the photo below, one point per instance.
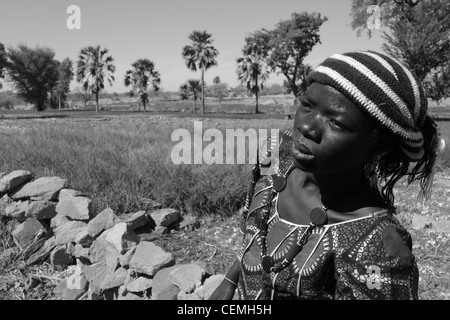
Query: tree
(143, 74)
(219, 90)
(33, 72)
(191, 90)
(3, 62)
(288, 44)
(65, 76)
(201, 54)
(253, 69)
(437, 84)
(94, 65)
(83, 95)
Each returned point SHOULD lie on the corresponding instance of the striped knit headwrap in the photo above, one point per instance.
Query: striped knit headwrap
(394, 97)
(385, 88)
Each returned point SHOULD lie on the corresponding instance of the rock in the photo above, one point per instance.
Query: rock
(102, 221)
(165, 217)
(122, 237)
(187, 277)
(6, 256)
(209, 286)
(98, 250)
(152, 203)
(115, 280)
(58, 220)
(140, 284)
(60, 257)
(17, 210)
(149, 259)
(25, 233)
(161, 281)
(188, 296)
(69, 193)
(70, 232)
(168, 293)
(4, 202)
(111, 258)
(76, 208)
(97, 275)
(129, 296)
(159, 230)
(14, 179)
(135, 220)
(125, 258)
(68, 291)
(189, 223)
(81, 252)
(41, 210)
(45, 188)
(149, 236)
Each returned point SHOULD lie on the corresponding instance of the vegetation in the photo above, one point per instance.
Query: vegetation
(200, 54)
(65, 76)
(253, 68)
(94, 66)
(33, 73)
(191, 90)
(143, 74)
(3, 62)
(417, 33)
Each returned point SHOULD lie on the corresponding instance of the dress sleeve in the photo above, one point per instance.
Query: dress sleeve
(384, 268)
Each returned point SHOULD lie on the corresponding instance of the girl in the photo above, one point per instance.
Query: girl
(323, 227)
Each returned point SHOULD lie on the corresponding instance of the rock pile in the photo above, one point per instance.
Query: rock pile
(106, 256)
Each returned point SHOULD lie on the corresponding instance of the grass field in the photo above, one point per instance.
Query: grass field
(118, 158)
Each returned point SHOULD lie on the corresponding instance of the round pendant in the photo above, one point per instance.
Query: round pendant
(279, 183)
(318, 217)
(267, 263)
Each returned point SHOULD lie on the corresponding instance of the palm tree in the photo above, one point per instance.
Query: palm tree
(200, 55)
(191, 89)
(140, 76)
(253, 70)
(92, 69)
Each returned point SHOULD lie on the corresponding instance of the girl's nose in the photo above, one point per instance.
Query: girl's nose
(310, 127)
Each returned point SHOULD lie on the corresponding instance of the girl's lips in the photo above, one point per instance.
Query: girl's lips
(300, 153)
(302, 148)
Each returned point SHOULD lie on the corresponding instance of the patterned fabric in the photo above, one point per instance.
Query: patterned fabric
(365, 258)
(385, 88)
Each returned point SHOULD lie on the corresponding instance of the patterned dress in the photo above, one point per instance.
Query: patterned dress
(363, 258)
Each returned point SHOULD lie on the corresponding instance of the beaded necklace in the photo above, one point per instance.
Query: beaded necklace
(318, 218)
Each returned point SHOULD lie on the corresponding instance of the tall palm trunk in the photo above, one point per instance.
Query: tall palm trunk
(96, 101)
(257, 95)
(194, 105)
(203, 90)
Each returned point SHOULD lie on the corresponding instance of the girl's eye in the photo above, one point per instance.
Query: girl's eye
(306, 106)
(337, 124)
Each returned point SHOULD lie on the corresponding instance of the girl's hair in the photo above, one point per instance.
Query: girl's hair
(394, 99)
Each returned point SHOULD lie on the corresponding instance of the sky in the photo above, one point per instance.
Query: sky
(159, 29)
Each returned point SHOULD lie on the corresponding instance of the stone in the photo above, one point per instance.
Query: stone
(98, 250)
(60, 257)
(25, 233)
(58, 220)
(188, 296)
(209, 286)
(43, 252)
(189, 223)
(67, 291)
(41, 210)
(115, 280)
(84, 238)
(135, 220)
(69, 193)
(76, 208)
(150, 202)
(161, 281)
(45, 188)
(97, 274)
(149, 259)
(168, 293)
(160, 230)
(102, 221)
(129, 296)
(140, 284)
(125, 258)
(69, 232)
(187, 277)
(14, 179)
(6, 257)
(4, 202)
(81, 252)
(17, 210)
(122, 237)
(165, 217)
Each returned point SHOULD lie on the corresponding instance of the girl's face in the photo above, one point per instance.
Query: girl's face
(331, 134)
